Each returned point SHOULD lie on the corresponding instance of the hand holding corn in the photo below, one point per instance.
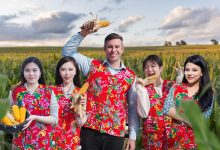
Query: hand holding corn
(93, 25)
(78, 108)
(147, 81)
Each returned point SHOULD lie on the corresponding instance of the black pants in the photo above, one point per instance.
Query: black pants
(95, 140)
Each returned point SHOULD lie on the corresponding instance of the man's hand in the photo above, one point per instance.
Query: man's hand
(131, 144)
(88, 28)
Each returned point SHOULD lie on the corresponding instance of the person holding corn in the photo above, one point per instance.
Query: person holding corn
(196, 87)
(151, 93)
(66, 134)
(111, 97)
(40, 102)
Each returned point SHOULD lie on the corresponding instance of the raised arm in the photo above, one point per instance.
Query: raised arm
(71, 46)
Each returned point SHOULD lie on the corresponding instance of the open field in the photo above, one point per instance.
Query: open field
(12, 57)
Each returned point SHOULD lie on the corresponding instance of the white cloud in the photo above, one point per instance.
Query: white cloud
(51, 25)
(55, 22)
(191, 24)
(124, 24)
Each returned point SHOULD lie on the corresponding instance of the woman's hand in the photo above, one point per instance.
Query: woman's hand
(180, 73)
(30, 119)
(83, 99)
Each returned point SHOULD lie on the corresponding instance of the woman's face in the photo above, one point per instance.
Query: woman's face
(193, 73)
(151, 68)
(67, 72)
(32, 73)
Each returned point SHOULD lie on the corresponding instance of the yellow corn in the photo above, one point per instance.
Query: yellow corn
(16, 112)
(11, 118)
(22, 114)
(6, 121)
(153, 77)
(103, 23)
(84, 88)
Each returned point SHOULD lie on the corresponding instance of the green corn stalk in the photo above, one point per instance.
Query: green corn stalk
(4, 105)
(205, 138)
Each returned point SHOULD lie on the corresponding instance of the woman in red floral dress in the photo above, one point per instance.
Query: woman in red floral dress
(196, 78)
(67, 132)
(154, 124)
(41, 104)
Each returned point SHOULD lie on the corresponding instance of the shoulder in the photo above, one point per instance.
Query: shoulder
(131, 72)
(96, 62)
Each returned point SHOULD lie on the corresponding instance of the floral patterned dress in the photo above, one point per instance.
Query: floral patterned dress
(180, 135)
(66, 134)
(154, 126)
(37, 135)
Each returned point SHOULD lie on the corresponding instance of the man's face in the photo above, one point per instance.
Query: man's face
(114, 49)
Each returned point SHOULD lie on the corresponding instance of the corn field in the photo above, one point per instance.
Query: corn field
(12, 58)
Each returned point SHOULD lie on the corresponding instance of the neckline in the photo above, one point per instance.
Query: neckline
(69, 91)
(31, 91)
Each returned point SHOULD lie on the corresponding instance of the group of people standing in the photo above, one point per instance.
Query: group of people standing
(110, 102)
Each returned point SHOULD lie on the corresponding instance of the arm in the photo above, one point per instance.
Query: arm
(143, 102)
(133, 117)
(208, 111)
(52, 119)
(70, 49)
(170, 108)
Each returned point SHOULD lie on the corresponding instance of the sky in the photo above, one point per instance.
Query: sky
(140, 22)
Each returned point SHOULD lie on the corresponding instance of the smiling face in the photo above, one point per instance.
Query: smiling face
(32, 73)
(192, 73)
(114, 49)
(67, 72)
(152, 68)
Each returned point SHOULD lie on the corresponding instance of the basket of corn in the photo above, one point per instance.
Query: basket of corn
(15, 119)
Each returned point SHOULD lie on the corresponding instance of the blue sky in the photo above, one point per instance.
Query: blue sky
(140, 22)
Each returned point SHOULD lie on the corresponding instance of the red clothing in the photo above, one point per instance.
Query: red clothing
(37, 135)
(180, 135)
(107, 103)
(154, 126)
(66, 133)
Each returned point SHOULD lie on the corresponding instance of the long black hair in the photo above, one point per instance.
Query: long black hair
(76, 79)
(38, 63)
(205, 92)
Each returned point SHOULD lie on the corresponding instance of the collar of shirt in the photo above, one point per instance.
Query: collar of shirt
(122, 66)
(70, 90)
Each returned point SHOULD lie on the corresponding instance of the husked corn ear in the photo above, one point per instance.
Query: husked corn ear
(103, 23)
(22, 114)
(11, 118)
(6, 121)
(84, 88)
(149, 80)
(16, 112)
(153, 77)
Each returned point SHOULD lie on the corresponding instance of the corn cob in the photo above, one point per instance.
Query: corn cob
(80, 109)
(22, 114)
(11, 118)
(6, 121)
(149, 80)
(84, 88)
(103, 23)
(16, 112)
